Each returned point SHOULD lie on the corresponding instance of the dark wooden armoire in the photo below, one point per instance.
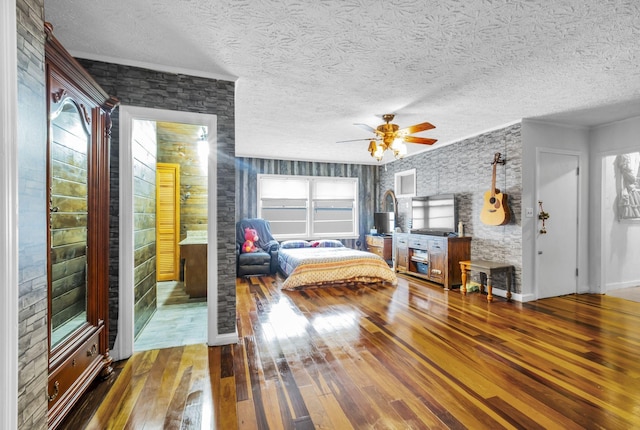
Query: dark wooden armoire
(79, 127)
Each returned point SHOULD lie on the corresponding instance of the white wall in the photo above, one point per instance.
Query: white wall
(615, 246)
(8, 217)
(538, 135)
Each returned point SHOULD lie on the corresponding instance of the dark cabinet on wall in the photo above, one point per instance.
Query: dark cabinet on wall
(79, 124)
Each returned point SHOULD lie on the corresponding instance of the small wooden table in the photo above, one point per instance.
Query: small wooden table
(488, 268)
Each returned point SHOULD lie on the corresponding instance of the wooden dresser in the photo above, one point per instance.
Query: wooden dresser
(380, 245)
(435, 258)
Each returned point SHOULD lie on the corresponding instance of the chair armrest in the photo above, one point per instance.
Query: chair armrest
(272, 245)
(274, 264)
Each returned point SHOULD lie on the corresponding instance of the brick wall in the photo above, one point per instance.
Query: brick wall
(147, 88)
(464, 168)
(32, 259)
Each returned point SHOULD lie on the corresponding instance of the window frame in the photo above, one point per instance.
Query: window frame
(402, 189)
(313, 202)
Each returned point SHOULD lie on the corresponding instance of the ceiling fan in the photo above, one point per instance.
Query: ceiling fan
(390, 136)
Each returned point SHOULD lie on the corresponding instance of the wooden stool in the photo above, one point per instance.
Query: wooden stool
(488, 268)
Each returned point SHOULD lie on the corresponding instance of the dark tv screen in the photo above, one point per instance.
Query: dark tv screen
(384, 222)
(434, 213)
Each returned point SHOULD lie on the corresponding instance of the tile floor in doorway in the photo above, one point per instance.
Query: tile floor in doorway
(178, 320)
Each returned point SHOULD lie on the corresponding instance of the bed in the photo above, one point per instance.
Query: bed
(328, 262)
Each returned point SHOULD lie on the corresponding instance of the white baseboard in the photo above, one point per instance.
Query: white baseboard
(516, 297)
(224, 339)
(620, 285)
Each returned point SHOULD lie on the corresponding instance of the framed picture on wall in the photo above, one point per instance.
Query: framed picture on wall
(627, 180)
(405, 183)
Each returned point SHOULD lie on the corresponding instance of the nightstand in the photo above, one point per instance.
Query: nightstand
(380, 245)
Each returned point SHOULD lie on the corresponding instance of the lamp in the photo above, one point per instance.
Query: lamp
(377, 148)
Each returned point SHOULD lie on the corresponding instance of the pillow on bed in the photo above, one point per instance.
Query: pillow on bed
(327, 243)
(295, 244)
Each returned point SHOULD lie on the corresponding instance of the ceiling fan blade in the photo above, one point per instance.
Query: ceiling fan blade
(421, 140)
(355, 140)
(416, 128)
(366, 127)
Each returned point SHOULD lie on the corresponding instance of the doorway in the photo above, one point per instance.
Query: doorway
(124, 344)
(557, 249)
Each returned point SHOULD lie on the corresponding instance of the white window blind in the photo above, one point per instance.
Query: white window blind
(309, 207)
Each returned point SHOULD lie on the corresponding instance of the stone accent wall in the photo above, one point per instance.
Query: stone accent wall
(464, 168)
(147, 88)
(249, 168)
(33, 354)
(144, 150)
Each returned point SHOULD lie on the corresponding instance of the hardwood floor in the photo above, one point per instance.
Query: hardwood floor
(411, 356)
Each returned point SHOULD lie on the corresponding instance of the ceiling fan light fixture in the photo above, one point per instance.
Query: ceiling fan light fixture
(379, 153)
(400, 151)
(376, 150)
(396, 144)
(390, 136)
(372, 147)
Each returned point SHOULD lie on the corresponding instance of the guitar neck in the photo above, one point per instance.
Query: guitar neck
(493, 180)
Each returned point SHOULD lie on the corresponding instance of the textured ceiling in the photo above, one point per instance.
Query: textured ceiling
(306, 71)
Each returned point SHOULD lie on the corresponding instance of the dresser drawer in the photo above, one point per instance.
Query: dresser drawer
(436, 275)
(435, 244)
(375, 241)
(86, 360)
(402, 242)
(418, 242)
(377, 251)
(380, 245)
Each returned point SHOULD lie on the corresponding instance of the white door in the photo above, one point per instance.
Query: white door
(557, 250)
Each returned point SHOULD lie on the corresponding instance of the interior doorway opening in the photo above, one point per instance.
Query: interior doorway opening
(170, 195)
(132, 217)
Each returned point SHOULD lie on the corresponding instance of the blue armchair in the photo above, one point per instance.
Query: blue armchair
(265, 260)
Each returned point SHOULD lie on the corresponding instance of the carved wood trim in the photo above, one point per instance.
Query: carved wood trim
(58, 95)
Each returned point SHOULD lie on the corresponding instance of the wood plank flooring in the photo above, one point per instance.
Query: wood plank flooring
(412, 356)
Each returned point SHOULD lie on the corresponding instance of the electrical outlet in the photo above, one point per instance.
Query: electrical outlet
(528, 212)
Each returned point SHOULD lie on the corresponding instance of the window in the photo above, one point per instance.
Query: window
(309, 207)
(405, 185)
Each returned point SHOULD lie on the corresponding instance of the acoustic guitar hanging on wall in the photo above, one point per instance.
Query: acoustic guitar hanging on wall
(495, 210)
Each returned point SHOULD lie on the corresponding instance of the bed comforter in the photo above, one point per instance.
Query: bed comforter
(305, 267)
